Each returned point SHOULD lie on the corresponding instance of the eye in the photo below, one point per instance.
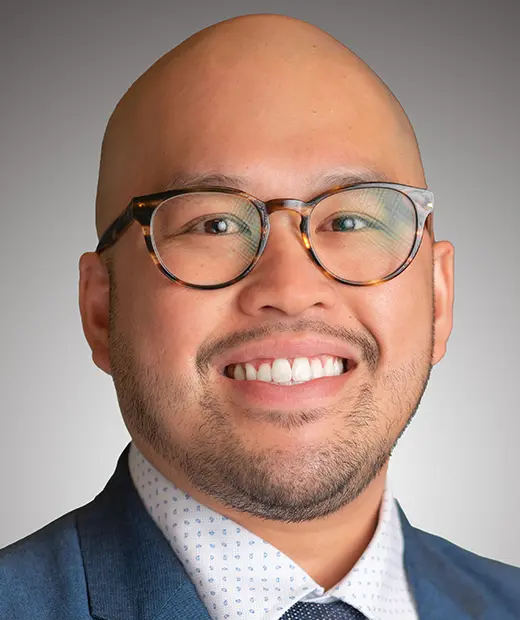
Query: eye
(349, 222)
(217, 225)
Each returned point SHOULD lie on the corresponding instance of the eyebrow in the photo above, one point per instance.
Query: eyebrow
(182, 180)
(322, 183)
(354, 177)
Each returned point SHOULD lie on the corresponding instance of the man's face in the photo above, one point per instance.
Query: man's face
(281, 452)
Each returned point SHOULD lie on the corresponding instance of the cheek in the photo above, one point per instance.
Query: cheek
(163, 322)
(399, 314)
(167, 323)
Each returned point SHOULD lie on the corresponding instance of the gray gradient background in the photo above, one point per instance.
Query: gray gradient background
(453, 65)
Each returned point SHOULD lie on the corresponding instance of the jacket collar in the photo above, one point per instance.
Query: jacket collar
(132, 573)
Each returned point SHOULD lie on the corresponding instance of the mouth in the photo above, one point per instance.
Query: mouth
(289, 371)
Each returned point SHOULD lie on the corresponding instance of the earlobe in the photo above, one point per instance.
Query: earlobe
(443, 287)
(94, 303)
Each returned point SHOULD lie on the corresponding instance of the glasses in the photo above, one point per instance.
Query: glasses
(212, 237)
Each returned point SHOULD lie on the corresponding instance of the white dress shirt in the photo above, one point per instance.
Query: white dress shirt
(239, 575)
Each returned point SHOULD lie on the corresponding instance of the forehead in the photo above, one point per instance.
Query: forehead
(261, 136)
(276, 119)
(285, 106)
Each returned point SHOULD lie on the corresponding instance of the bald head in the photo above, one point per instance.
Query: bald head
(279, 109)
(246, 94)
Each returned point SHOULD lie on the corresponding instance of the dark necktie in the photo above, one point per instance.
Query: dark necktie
(322, 611)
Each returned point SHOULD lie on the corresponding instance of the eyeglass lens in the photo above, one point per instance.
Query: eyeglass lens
(210, 238)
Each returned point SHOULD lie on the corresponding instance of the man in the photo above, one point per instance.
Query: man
(269, 305)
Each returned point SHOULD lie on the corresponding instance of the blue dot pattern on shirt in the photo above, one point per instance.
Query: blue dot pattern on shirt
(239, 576)
(319, 611)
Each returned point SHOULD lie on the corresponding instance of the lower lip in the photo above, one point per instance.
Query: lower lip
(268, 395)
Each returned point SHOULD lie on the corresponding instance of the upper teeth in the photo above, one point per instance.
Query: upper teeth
(282, 372)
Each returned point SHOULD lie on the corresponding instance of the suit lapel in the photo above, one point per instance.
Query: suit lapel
(131, 571)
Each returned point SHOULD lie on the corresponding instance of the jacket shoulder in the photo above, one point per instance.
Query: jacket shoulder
(472, 563)
(477, 582)
(41, 575)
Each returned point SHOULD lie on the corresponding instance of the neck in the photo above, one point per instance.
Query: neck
(327, 548)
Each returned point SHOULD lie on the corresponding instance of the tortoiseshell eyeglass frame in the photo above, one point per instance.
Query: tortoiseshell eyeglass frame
(142, 208)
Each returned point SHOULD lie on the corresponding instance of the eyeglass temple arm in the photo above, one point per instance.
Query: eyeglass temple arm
(116, 229)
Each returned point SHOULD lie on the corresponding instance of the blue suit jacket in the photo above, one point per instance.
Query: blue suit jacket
(108, 560)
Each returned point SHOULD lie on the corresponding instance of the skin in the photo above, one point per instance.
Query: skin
(282, 105)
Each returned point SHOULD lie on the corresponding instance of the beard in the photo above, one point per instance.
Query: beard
(184, 423)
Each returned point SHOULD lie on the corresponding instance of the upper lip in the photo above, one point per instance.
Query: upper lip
(286, 347)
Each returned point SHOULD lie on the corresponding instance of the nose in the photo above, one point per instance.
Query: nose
(286, 281)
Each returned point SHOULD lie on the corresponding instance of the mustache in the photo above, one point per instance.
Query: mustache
(362, 341)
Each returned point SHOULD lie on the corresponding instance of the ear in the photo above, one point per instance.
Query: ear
(443, 276)
(94, 300)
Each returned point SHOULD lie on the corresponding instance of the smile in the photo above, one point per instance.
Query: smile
(286, 371)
